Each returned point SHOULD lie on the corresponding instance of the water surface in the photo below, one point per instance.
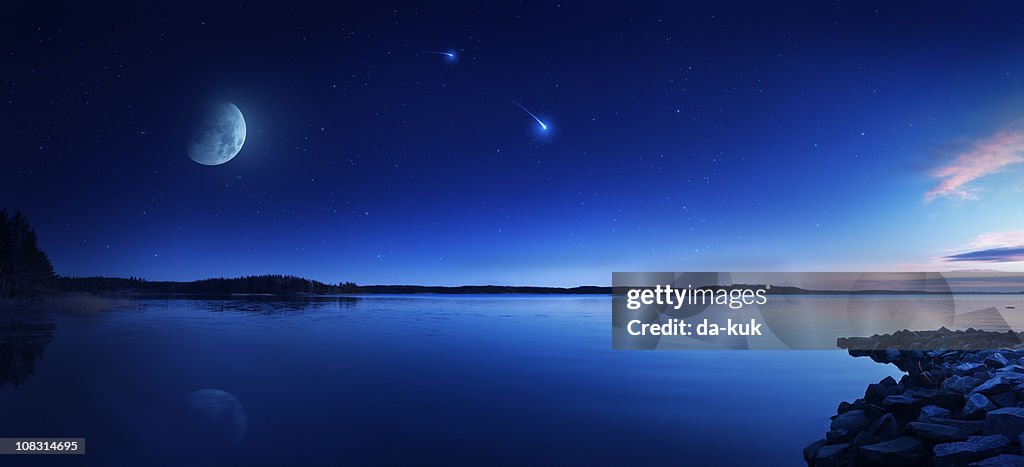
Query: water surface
(405, 379)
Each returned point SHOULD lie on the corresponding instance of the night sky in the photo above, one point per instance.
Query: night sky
(833, 136)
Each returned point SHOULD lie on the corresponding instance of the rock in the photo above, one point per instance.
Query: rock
(885, 428)
(899, 451)
(933, 411)
(833, 455)
(863, 439)
(961, 384)
(996, 360)
(876, 392)
(900, 403)
(852, 422)
(1002, 460)
(939, 397)
(812, 450)
(1004, 399)
(967, 367)
(994, 385)
(977, 406)
(937, 433)
(974, 449)
(837, 436)
(1015, 368)
(1008, 421)
(873, 411)
(957, 385)
(970, 427)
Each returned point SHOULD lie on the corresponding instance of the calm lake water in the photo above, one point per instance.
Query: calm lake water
(401, 380)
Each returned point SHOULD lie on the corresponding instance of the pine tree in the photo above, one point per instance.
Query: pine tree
(24, 268)
(6, 254)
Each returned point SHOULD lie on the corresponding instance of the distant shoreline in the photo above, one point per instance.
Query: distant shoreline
(283, 285)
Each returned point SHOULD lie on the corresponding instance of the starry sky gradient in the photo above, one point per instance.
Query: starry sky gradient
(682, 137)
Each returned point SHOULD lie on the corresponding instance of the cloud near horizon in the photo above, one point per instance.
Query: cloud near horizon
(986, 157)
(991, 255)
(993, 247)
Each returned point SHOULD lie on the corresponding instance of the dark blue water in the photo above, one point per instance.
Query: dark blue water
(403, 380)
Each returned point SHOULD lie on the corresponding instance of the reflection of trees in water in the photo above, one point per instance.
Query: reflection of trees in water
(21, 344)
(272, 304)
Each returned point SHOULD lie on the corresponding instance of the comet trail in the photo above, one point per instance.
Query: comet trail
(446, 54)
(542, 125)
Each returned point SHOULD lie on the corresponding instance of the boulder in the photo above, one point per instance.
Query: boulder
(1002, 460)
(840, 435)
(996, 360)
(833, 455)
(971, 427)
(945, 399)
(852, 422)
(1004, 399)
(937, 433)
(876, 392)
(863, 439)
(994, 385)
(885, 428)
(939, 397)
(901, 403)
(812, 450)
(929, 412)
(872, 411)
(900, 451)
(1007, 421)
(1015, 368)
(976, 448)
(977, 406)
(1011, 376)
(961, 384)
(967, 367)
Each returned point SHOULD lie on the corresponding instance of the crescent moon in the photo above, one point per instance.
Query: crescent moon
(219, 137)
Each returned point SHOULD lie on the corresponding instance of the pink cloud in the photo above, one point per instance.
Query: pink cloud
(998, 239)
(988, 156)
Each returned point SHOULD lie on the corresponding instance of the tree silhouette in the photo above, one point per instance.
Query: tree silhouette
(24, 268)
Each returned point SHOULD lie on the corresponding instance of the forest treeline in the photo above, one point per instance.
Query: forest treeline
(262, 284)
(25, 271)
(482, 289)
(278, 284)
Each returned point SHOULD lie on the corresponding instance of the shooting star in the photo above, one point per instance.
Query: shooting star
(450, 55)
(543, 126)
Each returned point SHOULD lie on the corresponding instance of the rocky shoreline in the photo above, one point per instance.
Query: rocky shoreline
(963, 405)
